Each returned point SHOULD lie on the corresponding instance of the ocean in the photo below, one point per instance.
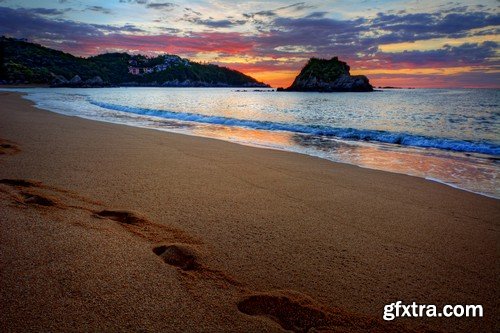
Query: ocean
(446, 135)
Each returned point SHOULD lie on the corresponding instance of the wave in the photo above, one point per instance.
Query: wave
(405, 139)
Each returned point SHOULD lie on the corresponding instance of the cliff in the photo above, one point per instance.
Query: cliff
(328, 76)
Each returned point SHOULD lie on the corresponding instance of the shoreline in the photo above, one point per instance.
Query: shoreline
(325, 235)
(312, 154)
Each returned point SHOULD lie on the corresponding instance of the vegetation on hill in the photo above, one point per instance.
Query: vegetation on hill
(328, 75)
(325, 70)
(24, 62)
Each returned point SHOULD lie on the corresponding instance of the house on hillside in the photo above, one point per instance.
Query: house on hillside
(134, 70)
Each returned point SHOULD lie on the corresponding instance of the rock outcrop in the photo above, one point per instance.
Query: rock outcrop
(59, 80)
(328, 76)
(96, 81)
(77, 82)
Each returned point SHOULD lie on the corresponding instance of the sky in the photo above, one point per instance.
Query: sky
(419, 43)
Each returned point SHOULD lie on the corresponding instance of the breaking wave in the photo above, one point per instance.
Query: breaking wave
(405, 139)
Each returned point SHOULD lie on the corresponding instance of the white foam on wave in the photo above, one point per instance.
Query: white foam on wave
(404, 139)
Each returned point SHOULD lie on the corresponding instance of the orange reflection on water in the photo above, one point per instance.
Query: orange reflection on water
(449, 169)
(247, 136)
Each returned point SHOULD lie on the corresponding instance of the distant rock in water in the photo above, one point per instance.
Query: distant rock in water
(328, 76)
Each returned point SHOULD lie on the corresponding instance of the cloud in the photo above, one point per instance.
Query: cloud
(189, 46)
(195, 17)
(153, 4)
(35, 26)
(43, 11)
(161, 5)
(99, 9)
(316, 15)
(141, 2)
(89, 39)
(192, 11)
(331, 37)
(215, 23)
(459, 80)
(418, 26)
(296, 7)
(449, 56)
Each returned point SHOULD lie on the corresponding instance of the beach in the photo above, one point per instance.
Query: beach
(106, 227)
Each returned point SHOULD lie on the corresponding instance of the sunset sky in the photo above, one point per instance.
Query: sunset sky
(427, 43)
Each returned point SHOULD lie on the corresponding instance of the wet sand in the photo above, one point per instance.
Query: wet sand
(106, 227)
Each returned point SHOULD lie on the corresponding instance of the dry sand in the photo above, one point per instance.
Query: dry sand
(112, 228)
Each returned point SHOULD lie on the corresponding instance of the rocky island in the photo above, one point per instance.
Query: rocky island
(332, 75)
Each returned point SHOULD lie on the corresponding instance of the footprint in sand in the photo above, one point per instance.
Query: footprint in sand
(179, 249)
(18, 182)
(27, 191)
(291, 311)
(22, 192)
(8, 148)
(122, 216)
(148, 230)
(299, 313)
(178, 255)
(30, 199)
(290, 314)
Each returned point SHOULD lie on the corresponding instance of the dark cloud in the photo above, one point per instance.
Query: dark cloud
(324, 35)
(460, 80)
(296, 6)
(358, 40)
(411, 27)
(99, 9)
(316, 15)
(221, 23)
(362, 36)
(141, 2)
(161, 5)
(172, 30)
(36, 26)
(275, 12)
(215, 23)
(195, 17)
(489, 31)
(464, 55)
(268, 13)
(192, 11)
(43, 11)
(152, 4)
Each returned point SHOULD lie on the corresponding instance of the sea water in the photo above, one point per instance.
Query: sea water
(447, 135)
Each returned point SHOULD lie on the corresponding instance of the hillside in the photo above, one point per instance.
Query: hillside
(24, 62)
(328, 76)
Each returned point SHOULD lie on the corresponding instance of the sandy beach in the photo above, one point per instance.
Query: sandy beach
(112, 228)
